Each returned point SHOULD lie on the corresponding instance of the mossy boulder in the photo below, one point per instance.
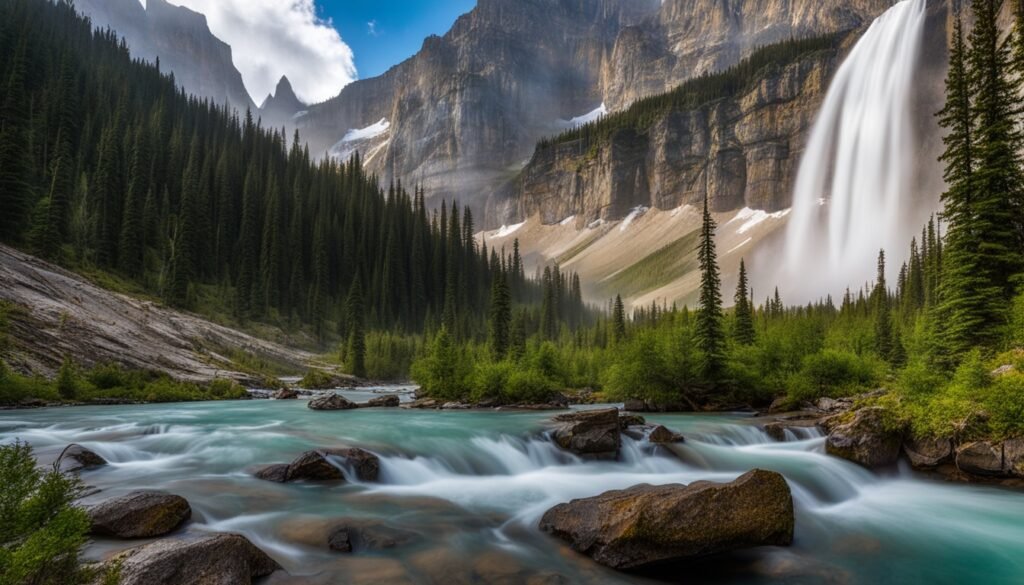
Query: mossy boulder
(865, 437)
(141, 514)
(649, 525)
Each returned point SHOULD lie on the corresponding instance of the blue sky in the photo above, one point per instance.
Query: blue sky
(398, 29)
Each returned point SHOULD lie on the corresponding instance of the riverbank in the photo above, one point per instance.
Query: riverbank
(461, 494)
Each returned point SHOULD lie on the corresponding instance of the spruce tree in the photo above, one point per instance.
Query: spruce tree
(356, 350)
(618, 320)
(884, 341)
(744, 333)
(500, 317)
(709, 331)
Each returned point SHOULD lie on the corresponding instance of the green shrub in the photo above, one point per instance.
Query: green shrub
(490, 379)
(108, 376)
(316, 379)
(224, 389)
(67, 380)
(41, 532)
(834, 374)
(1004, 402)
(529, 386)
(443, 373)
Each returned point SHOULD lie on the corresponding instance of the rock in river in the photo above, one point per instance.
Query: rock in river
(218, 559)
(981, 458)
(332, 402)
(928, 453)
(76, 458)
(389, 400)
(648, 525)
(285, 394)
(662, 434)
(590, 433)
(324, 465)
(141, 514)
(865, 439)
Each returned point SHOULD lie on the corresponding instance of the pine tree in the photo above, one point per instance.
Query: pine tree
(500, 317)
(356, 349)
(744, 333)
(517, 337)
(16, 193)
(618, 320)
(709, 332)
(884, 342)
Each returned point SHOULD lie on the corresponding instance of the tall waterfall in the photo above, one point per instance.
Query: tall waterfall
(854, 189)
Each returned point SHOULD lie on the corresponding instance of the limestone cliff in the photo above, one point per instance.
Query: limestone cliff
(687, 38)
(741, 150)
(182, 41)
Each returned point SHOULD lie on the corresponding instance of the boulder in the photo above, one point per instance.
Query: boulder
(216, 559)
(389, 401)
(776, 430)
(324, 465)
(455, 406)
(285, 394)
(649, 525)
(1013, 458)
(332, 402)
(865, 439)
(76, 458)
(661, 434)
(429, 403)
(928, 453)
(980, 458)
(590, 433)
(277, 472)
(635, 405)
(631, 420)
(368, 535)
(142, 514)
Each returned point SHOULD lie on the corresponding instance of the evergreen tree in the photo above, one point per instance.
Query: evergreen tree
(709, 332)
(618, 320)
(500, 317)
(744, 333)
(517, 337)
(884, 341)
(356, 350)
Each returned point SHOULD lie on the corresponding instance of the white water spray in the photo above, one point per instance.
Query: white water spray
(854, 189)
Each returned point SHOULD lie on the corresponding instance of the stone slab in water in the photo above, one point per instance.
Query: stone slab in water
(219, 559)
(76, 458)
(649, 525)
(141, 514)
(332, 402)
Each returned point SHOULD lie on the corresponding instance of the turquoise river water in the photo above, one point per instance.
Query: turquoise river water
(465, 490)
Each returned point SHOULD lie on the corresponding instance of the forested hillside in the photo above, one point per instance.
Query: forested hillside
(105, 166)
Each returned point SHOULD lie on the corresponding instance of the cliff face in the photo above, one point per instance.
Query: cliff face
(741, 151)
(281, 107)
(687, 38)
(181, 39)
(465, 112)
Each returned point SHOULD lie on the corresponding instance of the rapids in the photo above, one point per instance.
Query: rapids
(468, 487)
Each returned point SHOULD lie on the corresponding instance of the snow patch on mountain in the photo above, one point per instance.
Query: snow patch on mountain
(361, 140)
(635, 213)
(371, 131)
(591, 116)
(508, 230)
(750, 218)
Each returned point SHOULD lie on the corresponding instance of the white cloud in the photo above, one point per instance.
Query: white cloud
(271, 38)
(371, 28)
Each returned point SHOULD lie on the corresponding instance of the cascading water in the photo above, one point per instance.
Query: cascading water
(854, 190)
(461, 494)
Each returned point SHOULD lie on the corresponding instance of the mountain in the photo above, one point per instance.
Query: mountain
(281, 107)
(180, 39)
(465, 112)
(687, 38)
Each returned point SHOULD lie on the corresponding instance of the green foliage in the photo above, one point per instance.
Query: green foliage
(41, 531)
(443, 373)
(833, 374)
(316, 379)
(67, 380)
(710, 333)
(640, 370)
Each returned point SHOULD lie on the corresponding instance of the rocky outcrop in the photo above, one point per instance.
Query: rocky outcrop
(180, 39)
(473, 103)
(76, 458)
(281, 107)
(688, 38)
(389, 401)
(980, 458)
(331, 402)
(589, 433)
(422, 403)
(660, 435)
(324, 465)
(649, 525)
(742, 151)
(864, 437)
(141, 514)
(928, 453)
(219, 559)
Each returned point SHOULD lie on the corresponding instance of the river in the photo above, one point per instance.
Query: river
(462, 492)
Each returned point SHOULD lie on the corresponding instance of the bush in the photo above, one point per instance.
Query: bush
(1004, 402)
(834, 374)
(316, 379)
(41, 532)
(490, 380)
(529, 386)
(67, 380)
(224, 389)
(108, 376)
(443, 373)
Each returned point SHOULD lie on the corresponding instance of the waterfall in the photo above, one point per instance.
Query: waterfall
(854, 189)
